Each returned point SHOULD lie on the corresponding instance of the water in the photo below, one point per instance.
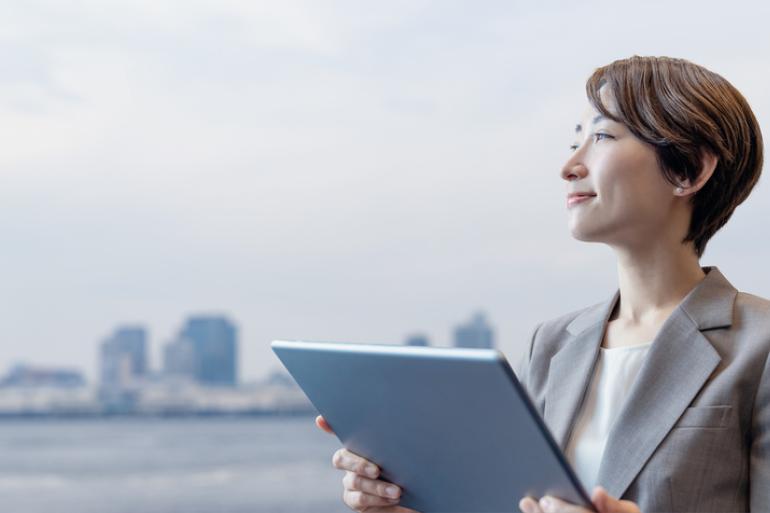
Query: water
(211, 465)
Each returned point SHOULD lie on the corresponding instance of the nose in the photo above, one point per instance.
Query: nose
(574, 169)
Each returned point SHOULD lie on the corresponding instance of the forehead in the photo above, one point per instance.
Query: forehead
(591, 115)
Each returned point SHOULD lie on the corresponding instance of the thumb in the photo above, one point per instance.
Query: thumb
(322, 424)
(605, 503)
(602, 500)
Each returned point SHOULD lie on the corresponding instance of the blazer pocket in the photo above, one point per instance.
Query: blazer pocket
(705, 417)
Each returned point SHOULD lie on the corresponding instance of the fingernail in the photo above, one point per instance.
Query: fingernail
(371, 470)
(545, 504)
(392, 491)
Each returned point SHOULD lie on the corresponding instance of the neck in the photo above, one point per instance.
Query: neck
(654, 280)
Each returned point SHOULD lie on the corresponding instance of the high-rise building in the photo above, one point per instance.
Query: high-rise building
(475, 334)
(214, 342)
(123, 365)
(417, 339)
(124, 357)
(179, 359)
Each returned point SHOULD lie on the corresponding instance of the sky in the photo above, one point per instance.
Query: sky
(336, 170)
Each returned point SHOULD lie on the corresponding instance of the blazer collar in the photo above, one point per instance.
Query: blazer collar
(677, 365)
(592, 315)
(709, 305)
(571, 369)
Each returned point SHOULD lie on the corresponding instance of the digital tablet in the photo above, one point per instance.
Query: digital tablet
(453, 427)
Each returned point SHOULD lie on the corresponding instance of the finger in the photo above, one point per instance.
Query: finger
(343, 459)
(529, 505)
(359, 501)
(356, 482)
(322, 424)
(551, 504)
(599, 499)
(605, 503)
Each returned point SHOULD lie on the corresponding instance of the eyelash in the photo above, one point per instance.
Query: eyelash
(596, 137)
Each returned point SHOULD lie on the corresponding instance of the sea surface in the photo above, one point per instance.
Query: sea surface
(211, 465)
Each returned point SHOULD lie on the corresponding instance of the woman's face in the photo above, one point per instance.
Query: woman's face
(616, 192)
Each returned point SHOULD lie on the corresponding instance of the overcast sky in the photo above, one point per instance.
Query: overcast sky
(333, 170)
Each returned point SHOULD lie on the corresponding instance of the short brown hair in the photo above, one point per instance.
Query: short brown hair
(683, 109)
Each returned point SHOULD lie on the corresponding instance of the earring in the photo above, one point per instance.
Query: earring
(679, 190)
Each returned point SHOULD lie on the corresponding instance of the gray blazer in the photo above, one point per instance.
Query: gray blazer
(694, 433)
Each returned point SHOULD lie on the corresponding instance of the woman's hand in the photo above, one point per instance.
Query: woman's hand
(363, 491)
(600, 499)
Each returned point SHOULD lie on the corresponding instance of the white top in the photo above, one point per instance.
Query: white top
(615, 372)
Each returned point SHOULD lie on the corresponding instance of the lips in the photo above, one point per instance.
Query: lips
(574, 198)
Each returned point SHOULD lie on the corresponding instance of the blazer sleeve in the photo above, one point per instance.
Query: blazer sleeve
(759, 462)
(522, 367)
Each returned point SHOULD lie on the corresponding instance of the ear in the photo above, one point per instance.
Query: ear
(709, 163)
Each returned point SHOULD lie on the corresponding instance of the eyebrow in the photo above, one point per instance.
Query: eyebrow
(579, 127)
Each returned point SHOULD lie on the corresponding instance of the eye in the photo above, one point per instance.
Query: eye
(598, 136)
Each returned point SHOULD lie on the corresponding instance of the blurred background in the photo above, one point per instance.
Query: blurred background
(183, 182)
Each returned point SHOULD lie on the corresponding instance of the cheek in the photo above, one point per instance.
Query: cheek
(636, 200)
(632, 178)
(633, 195)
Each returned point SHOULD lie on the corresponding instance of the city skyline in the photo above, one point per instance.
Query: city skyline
(198, 375)
(134, 339)
(204, 350)
(328, 171)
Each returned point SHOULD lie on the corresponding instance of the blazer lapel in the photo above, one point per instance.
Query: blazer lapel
(679, 362)
(571, 369)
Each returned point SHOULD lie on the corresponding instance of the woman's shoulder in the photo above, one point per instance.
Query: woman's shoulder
(751, 317)
(751, 304)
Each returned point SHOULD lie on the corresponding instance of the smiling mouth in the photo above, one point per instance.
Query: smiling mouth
(576, 199)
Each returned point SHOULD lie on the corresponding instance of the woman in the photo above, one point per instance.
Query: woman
(660, 396)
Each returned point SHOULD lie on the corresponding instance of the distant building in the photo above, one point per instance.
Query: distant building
(214, 342)
(123, 357)
(123, 365)
(179, 359)
(28, 376)
(417, 340)
(475, 334)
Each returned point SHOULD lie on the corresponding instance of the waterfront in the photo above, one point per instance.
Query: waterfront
(121, 465)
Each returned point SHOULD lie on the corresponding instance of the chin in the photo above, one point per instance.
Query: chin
(582, 234)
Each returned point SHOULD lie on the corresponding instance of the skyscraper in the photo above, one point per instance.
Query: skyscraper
(123, 363)
(123, 357)
(214, 343)
(179, 359)
(475, 334)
